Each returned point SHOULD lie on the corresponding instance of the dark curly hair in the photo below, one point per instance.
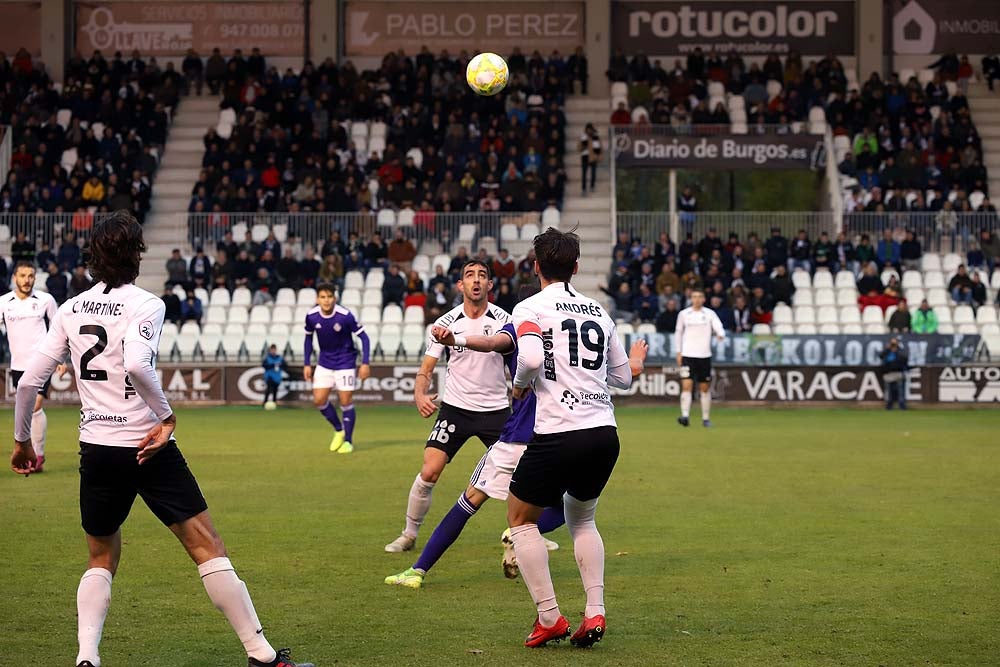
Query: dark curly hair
(115, 249)
(557, 254)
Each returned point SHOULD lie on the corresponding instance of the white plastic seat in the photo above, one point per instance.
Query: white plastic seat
(915, 296)
(807, 329)
(783, 329)
(241, 297)
(186, 345)
(413, 315)
(951, 262)
(442, 260)
(803, 297)
(390, 340)
(852, 329)
(619, 89)
(166, 348)
(944, 315)
(201, 294)
(938, 297)
(238, 315)
(413, 341)
(217, 314)
(386, 218)
(508, 232)
(301, 312)
(297, 346)
(872, 315)
(466, 233)
(946, 329)
(281, 315)
(826, 314)
(392, 314)
(825, 297)
(888, 275)
(992, 329)
(169, 329)
(370, 315)
(422, 264)
(986, 315)
(845, 279)
(967, 329)
(375, 279)
(964, 315)
(551, 217)
(307, 297)
(259, 233)
(847, 297)
(801, 279)
(874, 328)
(260, 314)
(933, 280)
(912, 279)
(931, 261)
(359, 129)
(405, 217)
(209, 344)
(190, 329)
(255, 344)
(371, 297)
(285, 297)
(376, 145)
(805, 315)
(350, 298)
(782, 314)
(995, 279)
(829, 329)
(378, 129)
(823, 279)
(849, 315)
(761, 329)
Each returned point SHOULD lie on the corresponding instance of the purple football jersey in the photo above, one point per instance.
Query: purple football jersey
(520, 426)
(334, 334)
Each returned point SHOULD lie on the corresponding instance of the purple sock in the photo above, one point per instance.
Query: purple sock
(445, 533)
(551, 518)
(330, 413)
(349, 420)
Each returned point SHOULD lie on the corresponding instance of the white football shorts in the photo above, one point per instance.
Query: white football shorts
(327, 378)
(492, 475)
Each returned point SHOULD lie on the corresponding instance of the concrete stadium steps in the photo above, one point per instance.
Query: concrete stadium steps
(167, 221)
(985, 107)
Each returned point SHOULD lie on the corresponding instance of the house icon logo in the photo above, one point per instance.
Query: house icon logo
(913, 30)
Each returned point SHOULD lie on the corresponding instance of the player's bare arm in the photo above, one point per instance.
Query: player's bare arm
(425, 402)
(364, 372)
(501, 342)
(307, 373)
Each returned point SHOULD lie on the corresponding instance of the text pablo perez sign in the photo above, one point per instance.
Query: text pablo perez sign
(791, 151)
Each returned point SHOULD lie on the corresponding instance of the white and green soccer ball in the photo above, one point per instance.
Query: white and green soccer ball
(487, 74)
(270, 405)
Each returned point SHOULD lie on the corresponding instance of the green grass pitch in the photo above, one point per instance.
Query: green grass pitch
(778, 537)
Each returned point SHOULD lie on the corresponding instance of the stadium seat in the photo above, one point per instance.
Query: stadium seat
(359, 130)
(190, 329)
(805, 315)
(826, 314)
(259, 233)
(943, 314)
(279, 335)
(829, 329)
(180, 292)
(217, 314)
(390, 340)
(825, 297)
(938, 297)
(442, 260)
(530, 230)
(352, 280)
(254, 344)
(386, 218)
(915, 296)
(239, 230)
(201, 294)
(888, 275)
(930, 261)
(350, 298)
(296, 345)
(413, 340)
(782, 314)
(873, 329)
(417, 155)
(912, 279)
(374, 280)
(301, 312)
(964, 315)
(238, 315)
(186, 344)
(946, 329)
(773, 88)
(853, 329)
(166, 348)
(619, 89)
(285, 297)
(466, 233)
(376, 146)
(413, 315)
(208, 346)
(169, 329)
(801, 279)
(847, 297)
(241, 297)
(371, 297)
(421, 264)
(951, 262)
(307, 297)
(373, 333)
(378, 129)
(872, 315)
(932, 280)
(260, 314)
(990, 330)
(803, 297)
(986, 315)
(281, 315)
(392, 314)
(783, 329)
(850, 315)
(761, 330)
(489, 243)
(551, 217)
(280, 232)
(845, 279)
(966, 329)
(823, 279)
(995, 279)
(508, 233)
(371, 315)
(645, 329)
(405, 217)
(808, 329)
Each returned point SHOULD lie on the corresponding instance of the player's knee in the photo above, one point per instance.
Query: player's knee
(320, 403)
(430, 473)
(475, 497)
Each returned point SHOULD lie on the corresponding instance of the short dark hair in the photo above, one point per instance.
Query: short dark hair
(24, 264)
(695, 290)
(115, 249)
(326, 287)
(557, 253)
(478, 262)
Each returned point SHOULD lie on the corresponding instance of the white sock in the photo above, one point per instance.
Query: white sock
(588, 547)
(230, 596)
(706, 404)
(533, 560)
(39, 424)
(93, 598)
(685, 403)
(418, 505)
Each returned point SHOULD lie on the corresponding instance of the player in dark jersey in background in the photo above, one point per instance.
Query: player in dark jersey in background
(335, 327)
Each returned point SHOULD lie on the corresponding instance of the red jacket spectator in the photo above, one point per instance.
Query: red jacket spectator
(621, 116)
(271, 178)
(390, 172)
(22, 62)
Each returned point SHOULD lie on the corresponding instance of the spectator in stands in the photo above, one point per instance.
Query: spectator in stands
(724, 312)
(93, 191)
(45, 255)
(590, 156)
(975, 258)
(200, 268)
(576, 69)
(895, 364)
(899, 321)
(910, 252)
(824, 253)
(57, 284)
(263, 286)
(504, 266)
(394, 287)
(646, 305)
(191, 308)
(623, 301)
(401, 251)
(69, 252)
(740, 315)
(761, 306)
(289, 270)
(666, 321)
(800, 251)
(80, 282)
(376, 253)
(177, 269)
(687, 207)
(243, 269)
(668, 282)
(990, 244)
(506, 297)
(865, 252)
(222, 271)
(776, 249)
(194, 72)
(960, 286)
(870, 284)
(781, 287)
(438, 301)
(310, 267)
(332, 270)
(4, 277)
(621, 115)
(22, 250)
(924, 320)
(888, 251)
(171, 303)
(977, 291)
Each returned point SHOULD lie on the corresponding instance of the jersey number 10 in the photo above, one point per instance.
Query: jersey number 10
(593, 343)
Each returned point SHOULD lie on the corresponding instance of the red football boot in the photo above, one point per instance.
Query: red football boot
(590, 632)
(541, 635)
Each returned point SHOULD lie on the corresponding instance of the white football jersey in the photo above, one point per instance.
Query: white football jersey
(474, 380)
(580, 343)
(94, 327)
(27, 321)
(695, 329)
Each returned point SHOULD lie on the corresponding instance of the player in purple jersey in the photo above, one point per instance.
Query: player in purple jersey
(492, 476)
(335, 327)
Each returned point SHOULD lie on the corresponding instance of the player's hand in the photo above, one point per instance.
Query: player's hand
(425, 404)
(721, 338)
(680, 361)
(61, 370)
(364, 372)
(156, 439)
(307, 373)
(23, 460)
(443, 335)
(520, 392)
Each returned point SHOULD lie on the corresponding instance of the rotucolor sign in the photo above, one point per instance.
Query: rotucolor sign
(671, 27)
(376, 28)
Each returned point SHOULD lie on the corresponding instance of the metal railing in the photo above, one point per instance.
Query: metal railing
(936, 233)
(710, 130)
(6, 151)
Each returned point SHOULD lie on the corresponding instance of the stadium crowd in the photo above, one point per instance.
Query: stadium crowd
(744, 279)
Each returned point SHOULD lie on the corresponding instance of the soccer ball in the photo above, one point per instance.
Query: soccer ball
(270, 405)
(487, 74)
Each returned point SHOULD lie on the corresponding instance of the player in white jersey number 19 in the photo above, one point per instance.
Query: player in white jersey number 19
(27, 314)
(695, 328)
(127, 447)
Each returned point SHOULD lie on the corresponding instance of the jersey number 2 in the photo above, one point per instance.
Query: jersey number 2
(88, 356)
(594, 345)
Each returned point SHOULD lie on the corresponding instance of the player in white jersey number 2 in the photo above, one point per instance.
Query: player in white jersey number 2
(695, 327)
(568, 354)
(127, 445)
(27, 314)
(475, 394)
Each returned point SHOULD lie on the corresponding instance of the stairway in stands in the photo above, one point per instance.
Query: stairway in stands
(166, 225)
(985, 107)
(591, 212)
